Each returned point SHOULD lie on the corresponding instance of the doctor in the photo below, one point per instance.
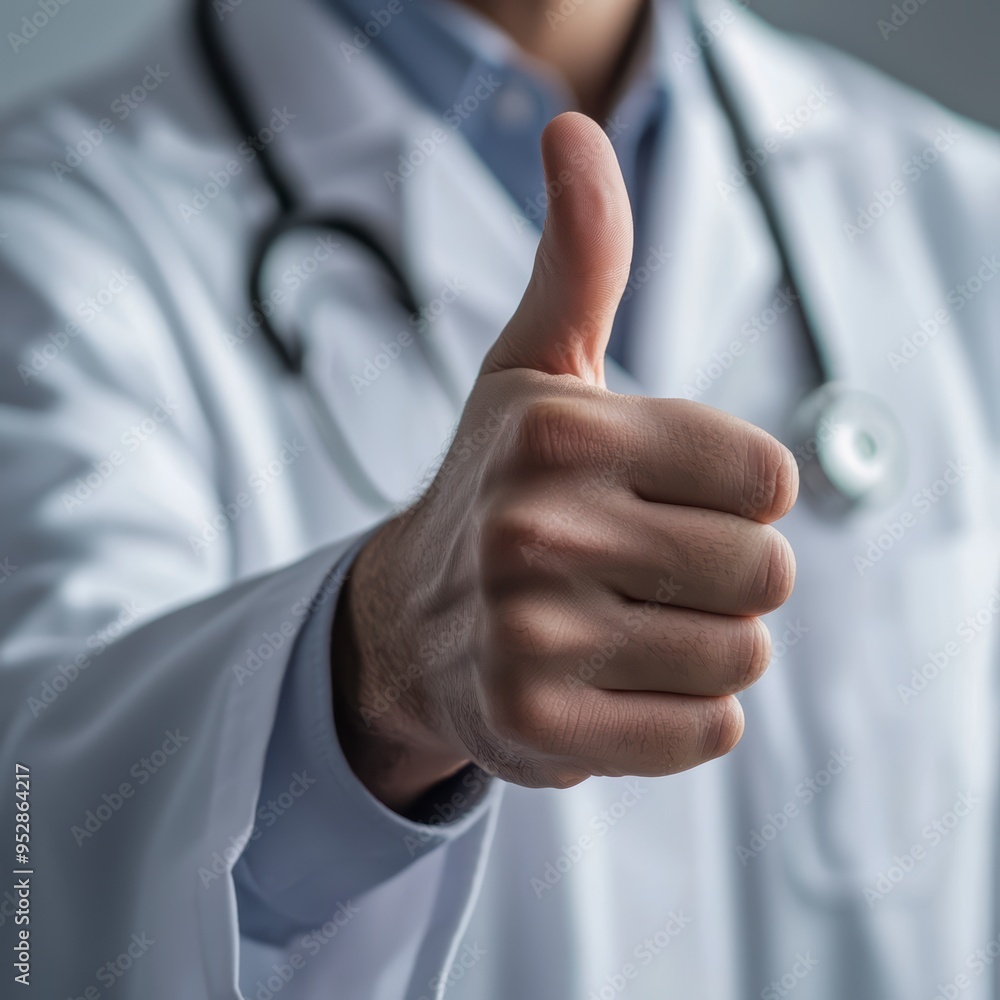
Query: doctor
(312, 693)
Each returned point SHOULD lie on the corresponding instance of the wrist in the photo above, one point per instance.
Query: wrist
(385, 721)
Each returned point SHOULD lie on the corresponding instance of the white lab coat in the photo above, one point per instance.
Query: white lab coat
(172, 412)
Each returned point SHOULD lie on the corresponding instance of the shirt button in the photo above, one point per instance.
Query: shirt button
(515, 107)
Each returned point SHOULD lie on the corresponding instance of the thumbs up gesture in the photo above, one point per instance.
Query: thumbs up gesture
(578, 592)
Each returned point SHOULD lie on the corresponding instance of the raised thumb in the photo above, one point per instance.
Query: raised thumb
(564, 320)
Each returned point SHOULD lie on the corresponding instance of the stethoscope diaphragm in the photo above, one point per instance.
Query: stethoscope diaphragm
(850, 449)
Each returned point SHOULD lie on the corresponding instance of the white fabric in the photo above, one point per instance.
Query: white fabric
(670, 863)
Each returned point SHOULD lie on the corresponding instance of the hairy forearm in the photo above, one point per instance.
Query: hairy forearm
(376, 711)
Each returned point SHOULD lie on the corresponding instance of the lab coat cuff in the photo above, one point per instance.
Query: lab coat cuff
(445, 813)
(335, 840)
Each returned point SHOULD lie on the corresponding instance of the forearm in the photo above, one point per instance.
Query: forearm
(384, 727)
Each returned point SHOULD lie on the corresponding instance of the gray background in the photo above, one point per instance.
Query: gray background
(947, 47)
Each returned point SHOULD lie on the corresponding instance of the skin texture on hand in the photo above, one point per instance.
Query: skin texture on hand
(579, 591)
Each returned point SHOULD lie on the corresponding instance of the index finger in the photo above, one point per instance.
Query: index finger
(685, 453)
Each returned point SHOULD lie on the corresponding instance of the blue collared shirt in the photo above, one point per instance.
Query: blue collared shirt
(500, 99)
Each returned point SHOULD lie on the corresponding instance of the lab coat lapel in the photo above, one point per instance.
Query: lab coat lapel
(344, 152)
(345, 113)
(818, 168)
(719, 254)
(461, 225)
(458, 221)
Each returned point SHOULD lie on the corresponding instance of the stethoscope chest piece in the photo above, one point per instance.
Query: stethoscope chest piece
(850, 449)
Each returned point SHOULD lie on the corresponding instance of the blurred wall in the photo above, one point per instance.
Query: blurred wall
(946, 47)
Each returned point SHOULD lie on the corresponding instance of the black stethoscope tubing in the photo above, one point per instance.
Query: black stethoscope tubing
(289, 215)
(769, 209)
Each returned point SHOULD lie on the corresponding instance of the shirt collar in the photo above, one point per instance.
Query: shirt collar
(500, 98)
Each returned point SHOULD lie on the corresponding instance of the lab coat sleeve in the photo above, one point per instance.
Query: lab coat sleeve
(320, 835)
(131, 696)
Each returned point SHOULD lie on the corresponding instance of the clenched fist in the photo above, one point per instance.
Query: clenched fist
(578, 592)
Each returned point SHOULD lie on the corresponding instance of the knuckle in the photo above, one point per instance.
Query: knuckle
(771, 477)
(523, 634)
(512, 715)
(549, 433)
(505, 534)
(524, 539)
(548, 726)
(562, 432)
(525, 716)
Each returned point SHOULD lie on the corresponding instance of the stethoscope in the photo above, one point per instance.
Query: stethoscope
(849, 446)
